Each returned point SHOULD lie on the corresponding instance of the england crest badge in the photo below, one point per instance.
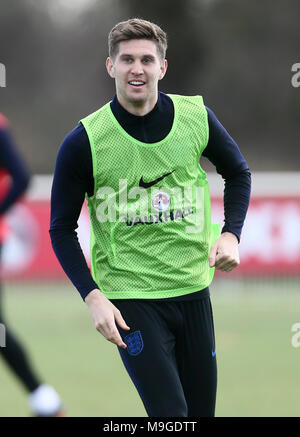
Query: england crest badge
(134, 342)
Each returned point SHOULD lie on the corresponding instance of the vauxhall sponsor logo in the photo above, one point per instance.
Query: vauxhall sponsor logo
(161, 217)
(145, 206)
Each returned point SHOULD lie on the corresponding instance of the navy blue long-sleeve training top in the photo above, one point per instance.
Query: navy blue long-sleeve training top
(73, 178)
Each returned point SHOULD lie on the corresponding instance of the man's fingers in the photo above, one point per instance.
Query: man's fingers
(120, 321)
(116, 339)
(225, 263)
(212, 256)
(111, 334)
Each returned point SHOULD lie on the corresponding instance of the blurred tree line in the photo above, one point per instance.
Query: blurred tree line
(237, 54)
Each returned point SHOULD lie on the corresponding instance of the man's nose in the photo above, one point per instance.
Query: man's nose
(137, 68)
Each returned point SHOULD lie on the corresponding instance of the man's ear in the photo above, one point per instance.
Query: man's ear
(163, 69)
(110, 67)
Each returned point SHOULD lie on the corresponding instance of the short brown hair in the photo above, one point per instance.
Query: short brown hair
(136, 28)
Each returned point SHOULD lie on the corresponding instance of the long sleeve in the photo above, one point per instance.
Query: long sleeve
(70, 184)
(225, 154)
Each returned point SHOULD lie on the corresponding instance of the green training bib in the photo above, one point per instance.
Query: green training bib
(150, 212)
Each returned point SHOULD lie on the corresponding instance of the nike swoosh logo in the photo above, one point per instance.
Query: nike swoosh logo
(144, 184)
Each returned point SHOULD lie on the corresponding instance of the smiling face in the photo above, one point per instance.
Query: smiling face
(137, 68)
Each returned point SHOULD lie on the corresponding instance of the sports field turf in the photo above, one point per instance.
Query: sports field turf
(258, 368)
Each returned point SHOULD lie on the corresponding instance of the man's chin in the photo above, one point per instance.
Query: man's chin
(137, 100)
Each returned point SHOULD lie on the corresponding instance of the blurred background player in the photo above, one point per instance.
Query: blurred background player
(14, 179)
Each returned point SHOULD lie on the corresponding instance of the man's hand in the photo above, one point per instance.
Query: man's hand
(224, 254)
(105, 316)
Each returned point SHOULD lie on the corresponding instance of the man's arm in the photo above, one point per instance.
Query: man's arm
(13, 164)
(224, 153)
(72, 179)
(67, 197)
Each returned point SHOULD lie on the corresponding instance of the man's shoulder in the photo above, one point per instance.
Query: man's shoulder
(76, 134)
(193, 100)
(76, 139)
(185, 96)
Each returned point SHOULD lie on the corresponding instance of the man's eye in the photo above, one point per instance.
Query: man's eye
(147, 61)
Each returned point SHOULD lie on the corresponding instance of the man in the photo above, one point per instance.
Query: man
(14, 179)
(152, 253)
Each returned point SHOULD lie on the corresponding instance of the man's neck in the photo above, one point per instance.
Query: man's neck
(152, 127)
(139, 109)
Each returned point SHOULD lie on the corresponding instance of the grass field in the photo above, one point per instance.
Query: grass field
(258, 368)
